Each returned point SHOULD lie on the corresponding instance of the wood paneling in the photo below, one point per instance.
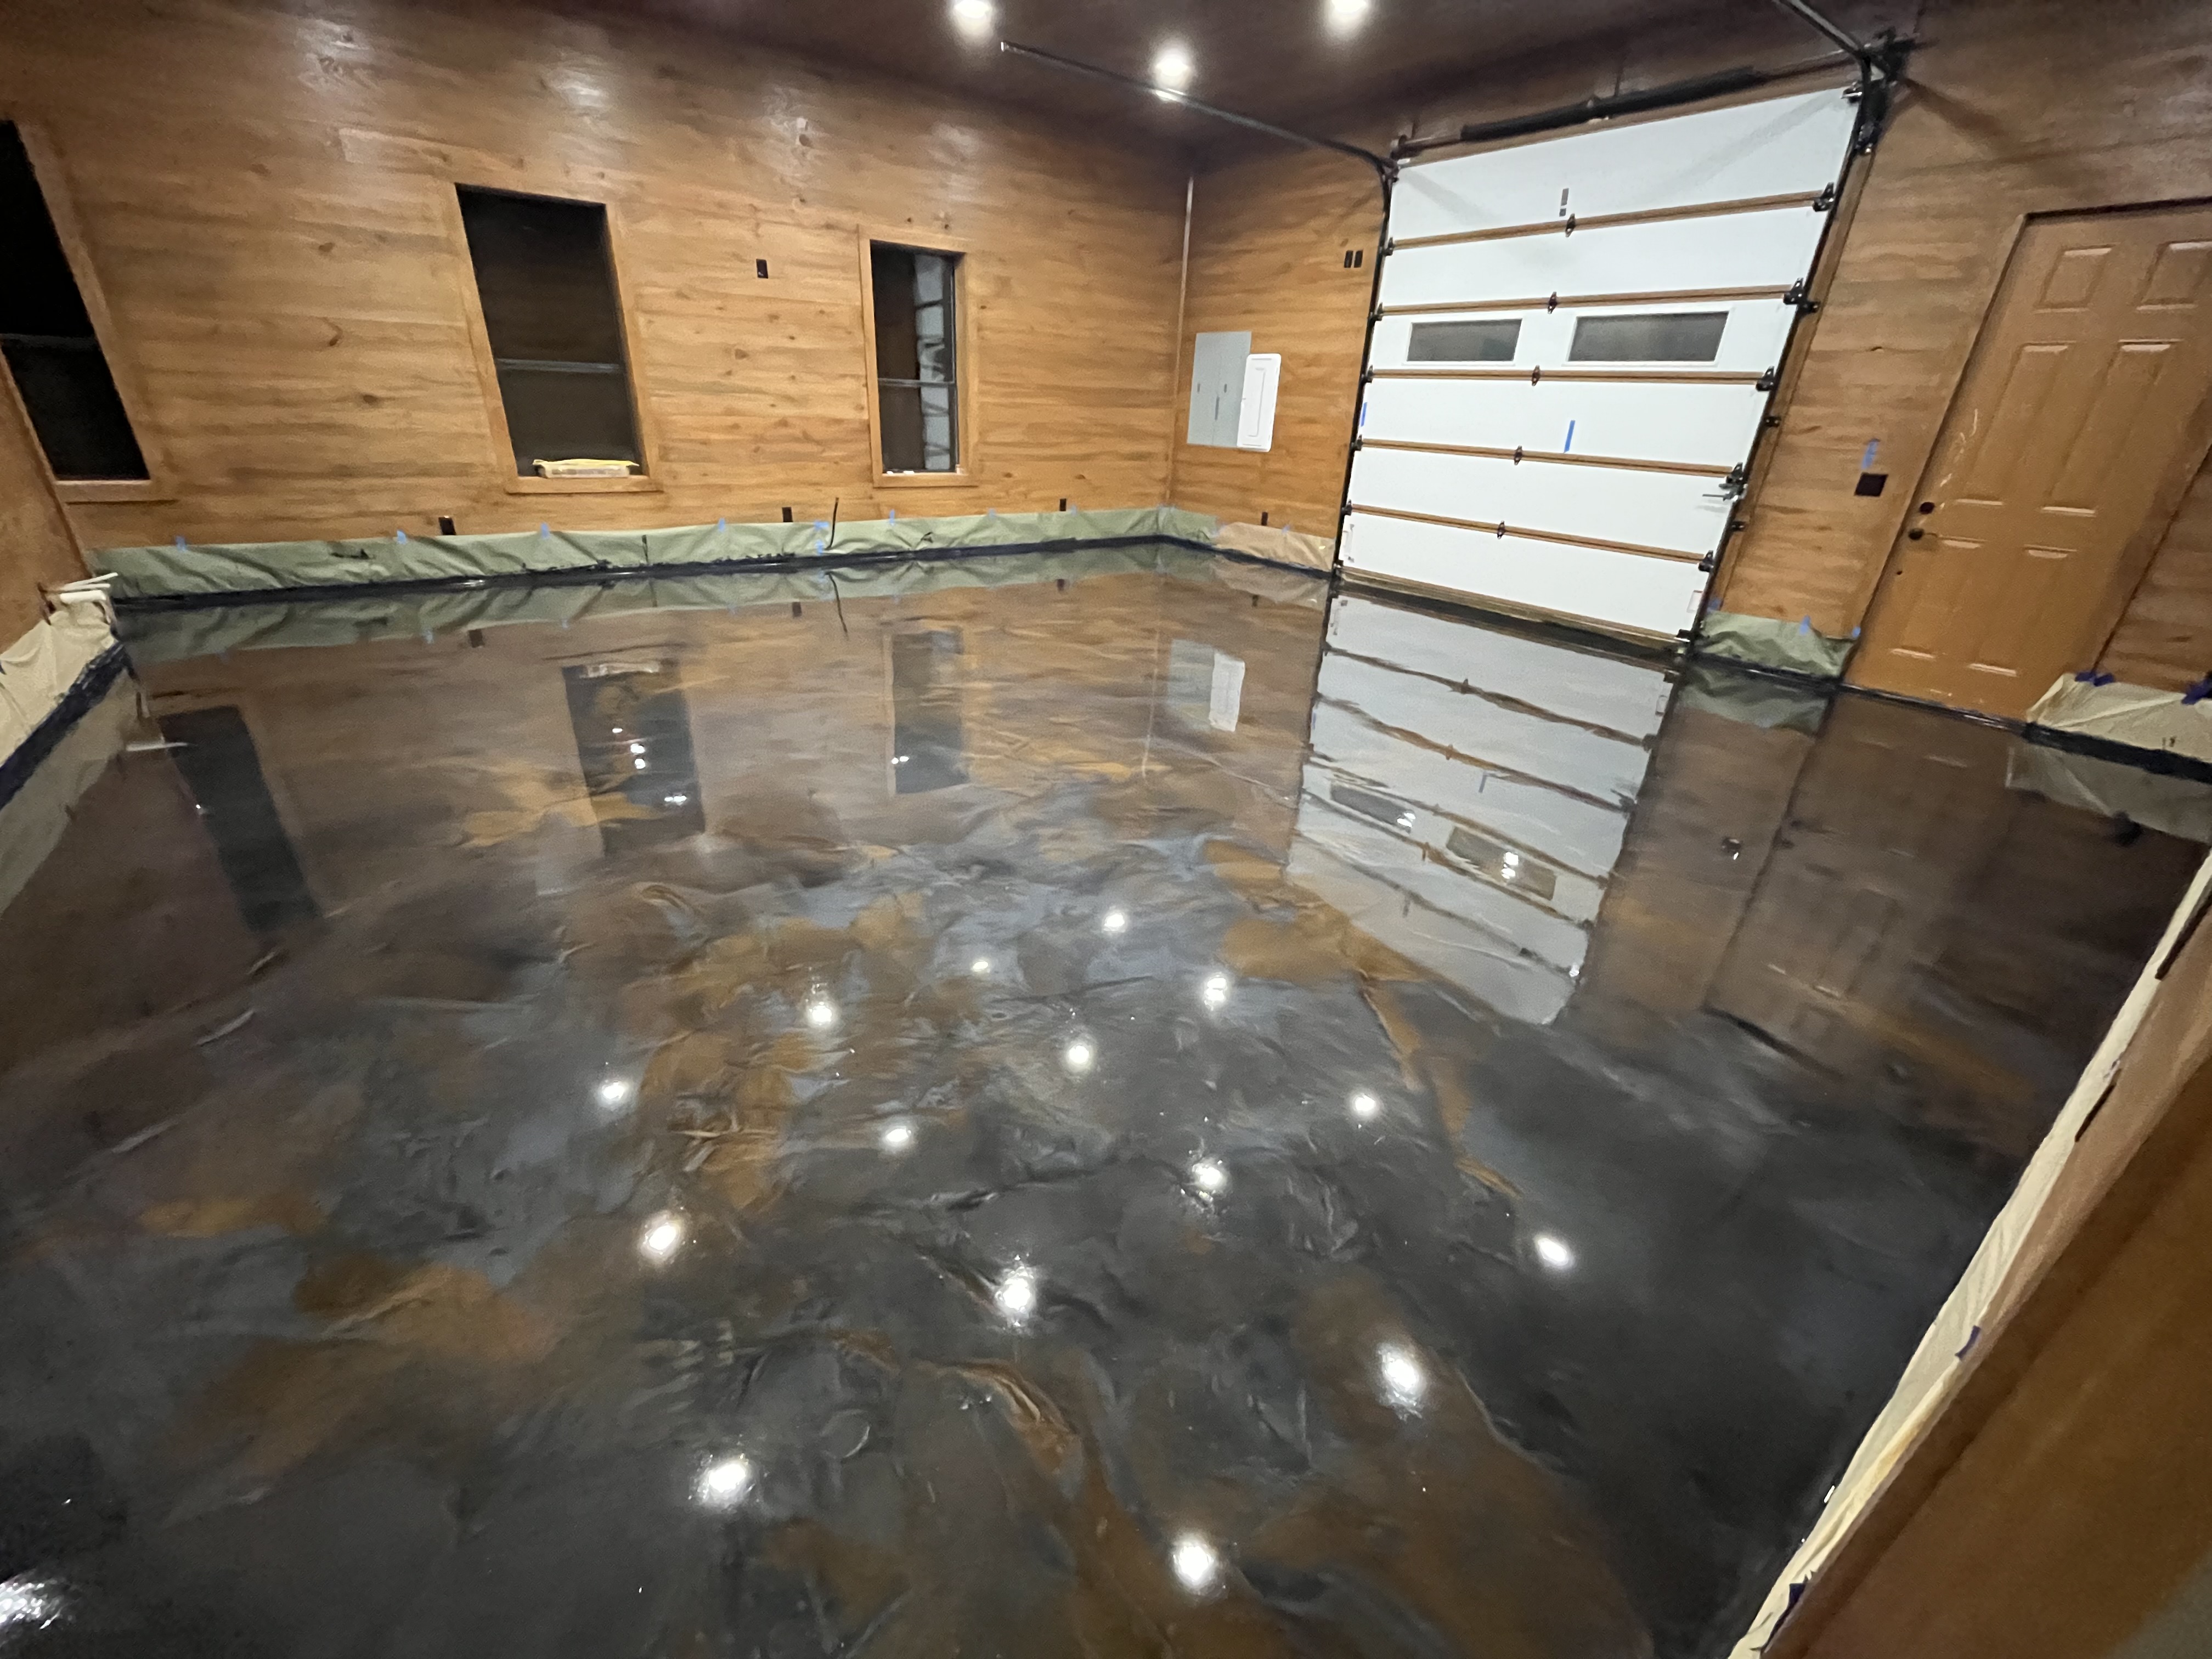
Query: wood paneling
(2016, 107)
(282, 267)
(1268, 245)
(37, 546)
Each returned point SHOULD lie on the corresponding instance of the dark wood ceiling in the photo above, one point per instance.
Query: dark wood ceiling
(1277, 59)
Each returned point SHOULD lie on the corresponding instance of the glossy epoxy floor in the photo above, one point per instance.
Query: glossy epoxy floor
(1129, 1111)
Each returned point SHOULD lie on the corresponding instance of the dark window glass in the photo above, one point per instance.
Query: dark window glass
(916, 380)
(45, 334)
(1669, 336)
(927, 750)
(1502, 863)
(546, 278)
(223, 769)
(1368, 805)
(1491, 341)
(633, 730)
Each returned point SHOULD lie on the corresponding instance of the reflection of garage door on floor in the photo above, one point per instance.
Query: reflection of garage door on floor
(1577, 342)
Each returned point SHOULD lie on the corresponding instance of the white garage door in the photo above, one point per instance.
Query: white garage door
(1577, 342)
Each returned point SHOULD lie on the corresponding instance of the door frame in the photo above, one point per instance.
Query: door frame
(2142, 546)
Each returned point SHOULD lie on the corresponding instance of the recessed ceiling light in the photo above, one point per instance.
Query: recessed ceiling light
(974, 18)
(1172, 67)
(1343, 16)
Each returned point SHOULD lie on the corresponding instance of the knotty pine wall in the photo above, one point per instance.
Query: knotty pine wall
(265, 195)
(37, 548)
(2016, 106)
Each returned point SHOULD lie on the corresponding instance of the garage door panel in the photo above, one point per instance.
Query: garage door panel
(1771, 148)
(1681, 511)
(1739, 250)
(1706, 425)
(1621, 590)
(1751, 339)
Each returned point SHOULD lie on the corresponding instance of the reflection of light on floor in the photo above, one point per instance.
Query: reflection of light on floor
(662, 1237)
(820, 1014)
(1364, 1105)
(614, 1093)
(1197, 1562)
(1016, 1294)
(1215, 991)
(1115, 920)
(896, 1135)
(1554, 1252)
(724, 1481)
(1208, 1176)
(980, 966)
(29, 1604)
(1078, 1054)
(1404, 1381)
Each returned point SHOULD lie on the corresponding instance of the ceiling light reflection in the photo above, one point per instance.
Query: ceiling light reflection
(1078, 1054)
(1365, 1106)
(820, 1014)
(980, 966)
(724, 1481)
(896, 1135)
(1209, 1177)
(1554, 1252)
(662, 1237)
(1016, 1295)
(1215, 991)
(1115, 922)
(29, 1603)
(1404, 1380)
(615, 1093)
(974, 18)
(1197, 1563)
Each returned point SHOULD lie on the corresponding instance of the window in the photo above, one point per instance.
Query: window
(916, 323)
(546, 278)
(928, 745)
(1667, 336)
(46, 335)
(1502, 863)
(1489, 341)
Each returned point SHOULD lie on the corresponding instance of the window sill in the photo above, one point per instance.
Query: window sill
(518, 485)
(86, 491)
(922, 480)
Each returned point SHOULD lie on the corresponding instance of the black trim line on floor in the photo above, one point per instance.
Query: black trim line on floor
(607, 574)
(89, 687)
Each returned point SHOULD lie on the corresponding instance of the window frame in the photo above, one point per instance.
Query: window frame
(965, 472)
(647, 482)
(159, 484)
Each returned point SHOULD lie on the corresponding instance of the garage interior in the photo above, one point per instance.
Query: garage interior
(1372, 827)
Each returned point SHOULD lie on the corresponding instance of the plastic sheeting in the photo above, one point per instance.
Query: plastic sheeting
(1767, 643)
(205, 630)
(33, 819)
(38, 671)
(188, 569)
(1932, 1377)
(2134, 715)
(2113, 789)
(1279, 544)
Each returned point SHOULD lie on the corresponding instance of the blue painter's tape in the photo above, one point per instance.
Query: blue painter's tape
(890, 514)
(1866, 460)
(545, 532)
(1567, 447)
(399, 535)
(180, 541)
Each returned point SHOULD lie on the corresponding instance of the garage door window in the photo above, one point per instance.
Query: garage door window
(1489, 341)
(1669, 337)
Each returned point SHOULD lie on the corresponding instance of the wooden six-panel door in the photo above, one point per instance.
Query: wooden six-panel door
(2080, 418)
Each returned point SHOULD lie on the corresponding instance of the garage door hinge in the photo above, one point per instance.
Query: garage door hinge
(1366, 375)
(1551, 304)
(1800, 297)
(1709, 564)
(1569, 227)
(1735, 483)
(1769, 380)
(1356, 444)
(1376, 315)
(1826, 201)
(1518, 452)
(1389, 246)
(1536, 374)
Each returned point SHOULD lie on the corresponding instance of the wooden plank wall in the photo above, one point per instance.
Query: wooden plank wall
(37, 547)
(2017, 106)
(264, 193)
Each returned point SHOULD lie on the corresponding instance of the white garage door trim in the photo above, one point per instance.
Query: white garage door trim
(1574, 347)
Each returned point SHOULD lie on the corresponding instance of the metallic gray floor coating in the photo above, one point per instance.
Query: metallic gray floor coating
(1067, 1118)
